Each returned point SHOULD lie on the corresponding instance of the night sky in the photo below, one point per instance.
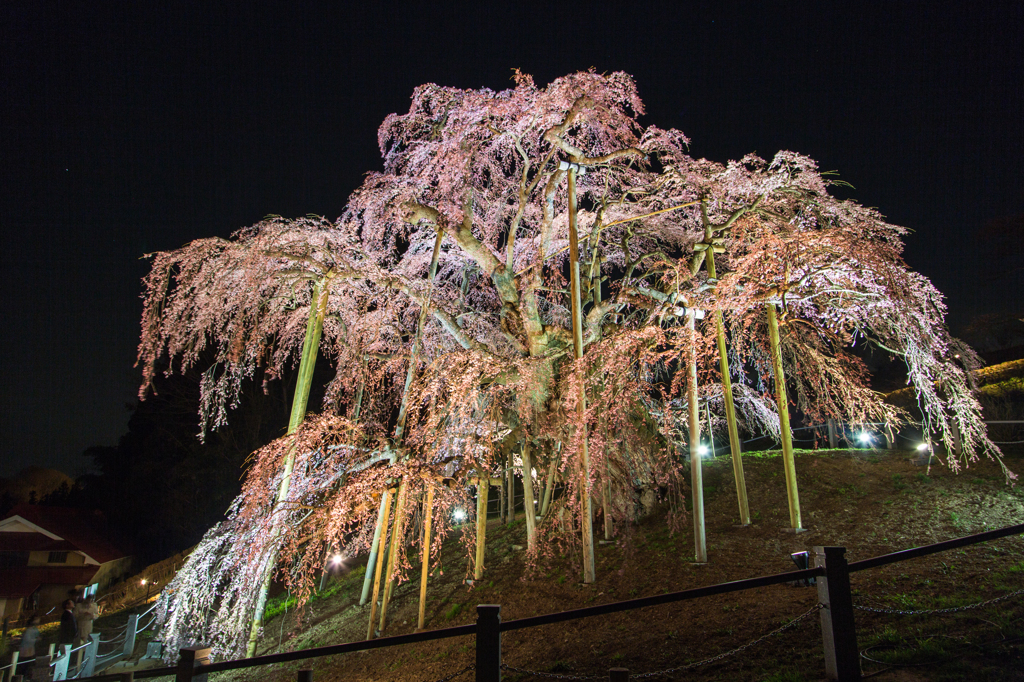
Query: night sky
(131, 128)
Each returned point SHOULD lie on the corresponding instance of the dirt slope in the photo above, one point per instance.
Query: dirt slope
(870, 502)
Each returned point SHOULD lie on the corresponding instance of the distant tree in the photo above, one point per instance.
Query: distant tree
(493, 358)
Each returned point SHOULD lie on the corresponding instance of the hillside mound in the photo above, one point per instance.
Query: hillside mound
(871, 502)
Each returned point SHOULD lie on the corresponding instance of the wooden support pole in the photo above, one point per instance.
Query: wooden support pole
(700, 550)
(380, 563)
(428, 514)
(371, 563)
(730, 418)
(782, 400)
(549, 486)
(730, 406)
(511, 492)
(606, 494)
(502, 512)
(528, 505)
(586, 506)
(833, 437)
(482, 487)
(397, 538)
(307, 362)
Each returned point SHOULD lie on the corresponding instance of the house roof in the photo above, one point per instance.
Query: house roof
(22, 581)
(33, 542)
(85, 530)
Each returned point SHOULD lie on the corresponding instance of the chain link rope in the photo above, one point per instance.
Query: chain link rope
(689, 666)
(952, 609)
(456, 674)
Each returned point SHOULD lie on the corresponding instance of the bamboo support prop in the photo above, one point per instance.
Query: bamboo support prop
(700, 549)
(511, 492)
(528, 508)
(606, 486)
(549, 486)
(586, 506)
(376, 573)
(371, 563)
(310, 348)
(786, 436)
(397, 538)
(483, 484)
(730, 407)
(428, 515)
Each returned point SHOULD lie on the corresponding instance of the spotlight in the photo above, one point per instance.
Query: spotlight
(703, 451)
(143, 581)
(336, 559)
(864, 437)
(922, 447)
(459, 516)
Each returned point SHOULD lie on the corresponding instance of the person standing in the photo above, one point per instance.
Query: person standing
(27, 646)
(68, 624)
(85, 614)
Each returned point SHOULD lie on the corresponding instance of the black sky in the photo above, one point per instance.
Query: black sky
(133, 127)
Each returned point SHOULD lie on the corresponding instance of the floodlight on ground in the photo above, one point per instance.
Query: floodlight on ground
(922, 447)
(336, 559)
(864, 437)
(703, 451)
(459, 516)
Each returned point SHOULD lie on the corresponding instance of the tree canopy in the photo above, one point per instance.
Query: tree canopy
(492, 363)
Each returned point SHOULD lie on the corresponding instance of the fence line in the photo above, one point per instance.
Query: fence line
(835, 605)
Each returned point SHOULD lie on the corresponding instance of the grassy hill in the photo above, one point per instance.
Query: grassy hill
(871, 502)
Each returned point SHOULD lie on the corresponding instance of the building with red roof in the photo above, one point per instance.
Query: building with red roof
(50, 553)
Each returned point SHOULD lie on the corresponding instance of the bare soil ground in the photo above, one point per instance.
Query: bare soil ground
(871, 502)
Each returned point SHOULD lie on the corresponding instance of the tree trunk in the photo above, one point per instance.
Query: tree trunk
(782, 400)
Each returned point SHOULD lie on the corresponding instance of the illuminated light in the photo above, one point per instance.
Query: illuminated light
(922, 447)
(864, 437)
(703, 451)
(143, 582)
(336, 559)
(459, 515)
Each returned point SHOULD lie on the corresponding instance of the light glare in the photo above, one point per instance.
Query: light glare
(459, 515)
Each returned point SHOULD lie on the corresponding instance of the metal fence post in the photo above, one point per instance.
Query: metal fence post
(91, 652)
(488, 642)
(842, 659)
(129, 635)
(13, 666)
(618, 675)
(190, 657)
(60, 665)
